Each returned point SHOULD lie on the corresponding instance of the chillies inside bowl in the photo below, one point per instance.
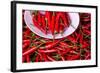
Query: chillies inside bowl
(51, 22)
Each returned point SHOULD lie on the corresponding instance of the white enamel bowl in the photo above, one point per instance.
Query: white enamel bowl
(73, 26)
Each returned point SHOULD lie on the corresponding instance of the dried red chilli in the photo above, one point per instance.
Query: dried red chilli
(53, 25)
(50, 58)
(26, 41)
(48, 19)
(25, 45)
(66, 51)
(27, 32)
(44, 24)
(59, 48)
(36, 43)
(73, 57)
(72, 39)
(62, 58)
(73, 52)
(70, 47)
(63, 45)
(39, 18)
(87, 32)
(37, 58)
(44, 57)
(40, 55)
(84, 44)
(85, 17)
(64, 19)
(37, 25)
(47, 51)
(27, 58)
(68, 18)
(53, 44)
(87, 55)
(77, 36)
(57, 23)
(86, 26)
(81, 39)
(61, 29)
(31, 50)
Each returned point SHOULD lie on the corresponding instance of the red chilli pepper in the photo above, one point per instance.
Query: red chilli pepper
(61, 28)
(72, 39)
(43, 22)
(74, 57)
(87, 56)
(47, 51)
(48, 19)
(53, 23)
(63, 17)
(85, 44)
(50, 58)
(27, 32)
(37, 25)
(26, 41)
(40, 56)
(44, 57)
(81, 39)
(31, 50)
(77, 36)
(51, 45)
(85, 17)
(59, 48)
(57, 23)
(37, 58)
(44, 25)
(27, 58)
(61, 55)
(86, 26)
(25, 45)
(39, 18)
(87, 32)
(66, 51)
(62, 44)
(68, 18)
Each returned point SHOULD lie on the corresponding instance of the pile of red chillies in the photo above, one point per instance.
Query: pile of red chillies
(51, 22)
(76, 46)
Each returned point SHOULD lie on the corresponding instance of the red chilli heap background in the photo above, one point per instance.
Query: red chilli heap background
(76, 46)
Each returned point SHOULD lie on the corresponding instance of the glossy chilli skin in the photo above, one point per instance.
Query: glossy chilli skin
(51, 21)
(76, 46)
